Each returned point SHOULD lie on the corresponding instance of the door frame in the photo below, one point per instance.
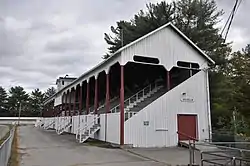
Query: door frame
(197, 123)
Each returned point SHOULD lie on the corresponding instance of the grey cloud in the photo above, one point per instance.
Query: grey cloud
(66, 44)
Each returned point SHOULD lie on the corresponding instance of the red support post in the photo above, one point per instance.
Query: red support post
(87, 99)
(80, 100)
(107, 94)
(96, 96)
(66, 105)
(70, 103)
(74, 104)
(168, 81)
(122, 107)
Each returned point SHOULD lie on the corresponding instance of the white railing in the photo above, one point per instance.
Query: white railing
(129, 114)
(50, 124)
(91, 109)
(80, 131)
(140, 94)
(63, 122)
(5, 148)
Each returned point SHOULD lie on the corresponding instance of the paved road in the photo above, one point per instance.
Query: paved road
(46, 148)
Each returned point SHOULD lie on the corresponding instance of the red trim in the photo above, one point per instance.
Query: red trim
(122, 107)
(107, 94)
(168, 81)
(96, 95)
(80, 100)
(87, 99)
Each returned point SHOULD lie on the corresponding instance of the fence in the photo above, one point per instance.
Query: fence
(5, 148)
(218, 154)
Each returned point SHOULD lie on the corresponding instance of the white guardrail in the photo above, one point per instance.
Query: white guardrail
(5, 148)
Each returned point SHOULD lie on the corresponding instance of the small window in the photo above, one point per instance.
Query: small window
(195, 65)
(146, 59)
(188, 65)
(62, 82)
(183, 64)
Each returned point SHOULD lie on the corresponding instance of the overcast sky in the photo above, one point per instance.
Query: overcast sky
(41, 40)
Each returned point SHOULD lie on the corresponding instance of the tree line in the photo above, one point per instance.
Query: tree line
(198, 20)
(17, 99)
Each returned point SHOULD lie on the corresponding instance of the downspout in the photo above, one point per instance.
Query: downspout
(208, 106)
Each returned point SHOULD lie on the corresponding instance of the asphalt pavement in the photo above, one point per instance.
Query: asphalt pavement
(38, 147)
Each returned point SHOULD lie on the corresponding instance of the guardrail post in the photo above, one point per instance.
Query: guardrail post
(201, 158)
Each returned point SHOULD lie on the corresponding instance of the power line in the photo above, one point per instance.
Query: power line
(230, 18)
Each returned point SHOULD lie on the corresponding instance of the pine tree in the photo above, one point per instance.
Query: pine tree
(50, 92)
(36, 102)
(18, 98)
(3, 102)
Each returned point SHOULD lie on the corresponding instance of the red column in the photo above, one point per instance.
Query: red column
(96, 95)
(70, 103)
(55, 110)
(74, 104)
(122, 107)
(168, 80)
(87, 98)
(66, 104)
(80, 100)
(107, 94)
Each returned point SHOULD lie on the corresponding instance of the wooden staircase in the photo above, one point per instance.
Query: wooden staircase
(65, 124)
(88, 130)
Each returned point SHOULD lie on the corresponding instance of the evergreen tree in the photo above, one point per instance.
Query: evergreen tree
(36, 102)
(18, 98)
(3, 102)
(240, 75)
(50, 92)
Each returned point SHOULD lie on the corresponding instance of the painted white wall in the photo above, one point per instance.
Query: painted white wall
(162, 115)
(167, 46)
(112, 129)
(58, 100)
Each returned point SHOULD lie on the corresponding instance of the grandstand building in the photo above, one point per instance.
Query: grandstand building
(153, 92)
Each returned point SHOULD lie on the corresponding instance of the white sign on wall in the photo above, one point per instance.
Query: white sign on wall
(186, 98)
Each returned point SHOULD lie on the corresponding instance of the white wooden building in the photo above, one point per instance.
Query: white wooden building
(152, 92)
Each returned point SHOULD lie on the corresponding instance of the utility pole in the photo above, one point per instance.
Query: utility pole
(19, 113)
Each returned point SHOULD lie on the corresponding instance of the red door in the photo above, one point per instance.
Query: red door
(187, 124)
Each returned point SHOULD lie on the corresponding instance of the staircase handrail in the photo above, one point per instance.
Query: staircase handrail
(53, 121)
(142, 90)
(87, 125)
(101, 106)
(64, 118)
